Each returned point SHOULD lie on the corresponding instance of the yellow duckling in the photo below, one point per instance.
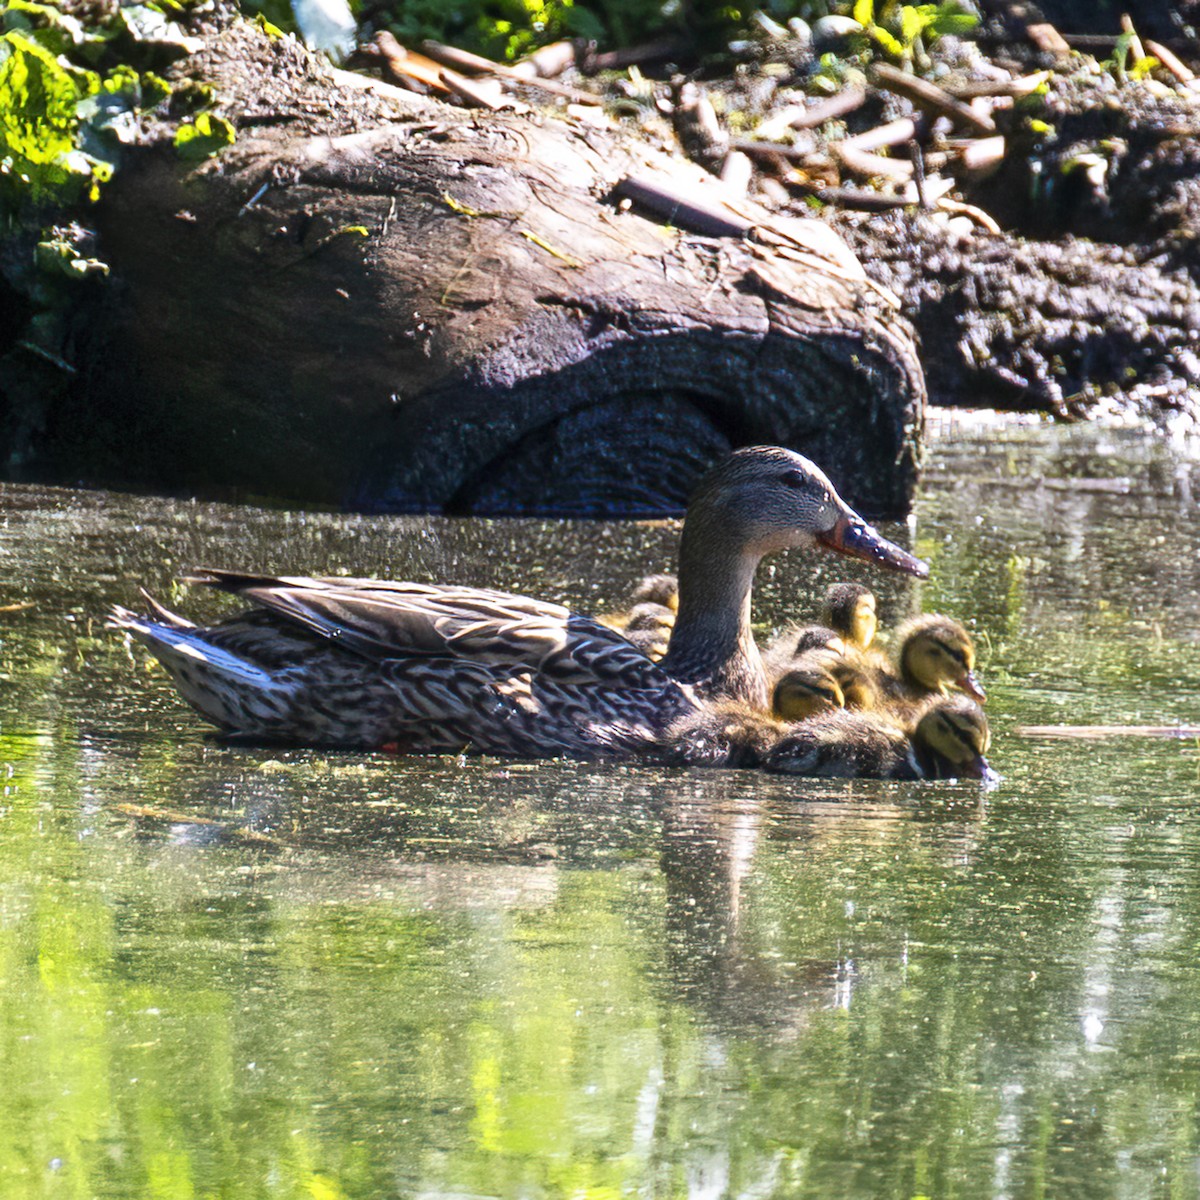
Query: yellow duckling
(649, 620)
(933, 654)
(809, 687)
(949, 740)
(849, 610)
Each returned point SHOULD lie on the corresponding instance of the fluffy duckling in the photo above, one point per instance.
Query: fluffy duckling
(949, 741)
(809, 687)
(651, 616)
(727, 733)
(933, 654)
(657, 589)
(849, 609)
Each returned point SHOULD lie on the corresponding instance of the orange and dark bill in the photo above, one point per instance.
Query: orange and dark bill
(970, 684)
(853, 536)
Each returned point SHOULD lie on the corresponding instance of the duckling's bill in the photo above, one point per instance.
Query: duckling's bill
(854, 537)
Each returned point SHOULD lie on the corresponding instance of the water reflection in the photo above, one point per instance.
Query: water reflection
(275, 974)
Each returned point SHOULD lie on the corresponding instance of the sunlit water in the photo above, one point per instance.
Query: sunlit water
(247, 973)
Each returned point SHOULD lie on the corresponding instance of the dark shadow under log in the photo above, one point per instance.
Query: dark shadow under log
(394, 304)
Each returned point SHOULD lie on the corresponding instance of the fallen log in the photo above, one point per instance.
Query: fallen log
(378, 299)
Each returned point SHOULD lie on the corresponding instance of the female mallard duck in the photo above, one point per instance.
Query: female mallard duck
(933, 654)
(368, 663)
(949, 740)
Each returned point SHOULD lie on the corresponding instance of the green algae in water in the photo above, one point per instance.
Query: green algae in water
(274, 974)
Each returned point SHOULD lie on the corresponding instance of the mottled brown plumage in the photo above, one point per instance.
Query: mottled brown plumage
(359, 662)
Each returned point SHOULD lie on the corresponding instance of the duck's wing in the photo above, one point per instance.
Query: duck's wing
(379, 619)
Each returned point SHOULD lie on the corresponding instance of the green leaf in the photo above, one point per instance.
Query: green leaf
(60, 257)
(206, 136)
(914, 20)
(38, 121)
(887, 41)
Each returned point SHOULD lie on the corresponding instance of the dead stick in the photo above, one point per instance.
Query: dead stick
(1172, 62)
(827, 110)
(712, 219)
(931, 98)
(464, 60)
(891, 134)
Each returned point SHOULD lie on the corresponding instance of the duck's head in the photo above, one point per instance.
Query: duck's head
(808, 688)
(955, 732)
(766, 498)
(850, 609)
(936, 653)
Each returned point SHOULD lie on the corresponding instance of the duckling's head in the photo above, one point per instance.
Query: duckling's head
(808, 688)
(936, 653)
(817, 637)
(657, 589)
(764, 498)
(650, 616)
(850, 609)
(954, 732)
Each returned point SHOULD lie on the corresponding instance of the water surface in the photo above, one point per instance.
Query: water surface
(252, 973)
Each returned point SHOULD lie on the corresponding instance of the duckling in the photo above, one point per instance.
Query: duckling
(807, 680)
(648, 626)
(725, 733)
(933, 654)
(949, 740)
(656, 589)
(808, 688)
(849, 609)
(649, 620)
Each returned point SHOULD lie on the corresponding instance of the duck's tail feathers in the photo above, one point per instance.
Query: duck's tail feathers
(213, 678)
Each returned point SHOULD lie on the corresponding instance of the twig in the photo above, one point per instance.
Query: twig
(619, 60)
(930, 98)
(1046, 38)
(846, 101)
(891, 134)
(711, 219)
(1024, 85)
(406, 65)
(464, 60)
(786, 150)
(871, 165)
(1171, 62)
(958, 208)
(474, 91)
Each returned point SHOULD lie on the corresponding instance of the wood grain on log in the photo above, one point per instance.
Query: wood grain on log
(425, 308)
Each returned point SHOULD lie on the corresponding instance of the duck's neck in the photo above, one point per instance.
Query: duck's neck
(712, 645)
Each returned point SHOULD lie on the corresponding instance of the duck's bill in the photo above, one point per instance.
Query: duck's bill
(978, 768)
(970, 684)
(853, 536)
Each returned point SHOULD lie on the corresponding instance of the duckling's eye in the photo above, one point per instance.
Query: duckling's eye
(950, 652)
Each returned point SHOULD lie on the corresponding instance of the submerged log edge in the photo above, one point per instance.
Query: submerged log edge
(393, 304)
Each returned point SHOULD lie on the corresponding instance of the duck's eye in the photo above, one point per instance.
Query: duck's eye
(794, 479)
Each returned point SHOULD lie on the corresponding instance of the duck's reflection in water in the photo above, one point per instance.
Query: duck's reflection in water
(737, 874)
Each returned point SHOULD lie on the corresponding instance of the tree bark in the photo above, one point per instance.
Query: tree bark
(395, 304)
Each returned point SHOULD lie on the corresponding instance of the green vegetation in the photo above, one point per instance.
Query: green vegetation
(72, 94)
(899, 29)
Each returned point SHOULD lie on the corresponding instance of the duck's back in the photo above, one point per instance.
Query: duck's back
(368, 663)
